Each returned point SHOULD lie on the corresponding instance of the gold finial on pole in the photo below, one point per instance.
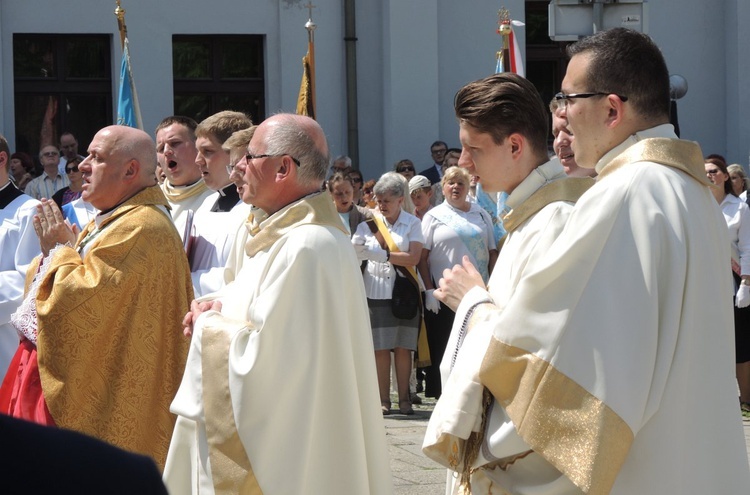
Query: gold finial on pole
(120, 14)
(504, 30)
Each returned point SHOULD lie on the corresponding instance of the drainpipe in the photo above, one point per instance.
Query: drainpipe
(350, 40)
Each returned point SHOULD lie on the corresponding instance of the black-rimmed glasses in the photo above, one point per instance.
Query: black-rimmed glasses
(562, 99)
(248, 157)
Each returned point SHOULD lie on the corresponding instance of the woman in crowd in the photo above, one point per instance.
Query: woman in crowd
(406, 168)
(73, 191)
(739, 180)
(21, 169)
(368, 196)
(357, 180)
(392, 250)
(341, 188)
(737, 215)
(451, 230)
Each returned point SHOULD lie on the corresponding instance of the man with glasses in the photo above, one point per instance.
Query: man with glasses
(51, 179)
(215, 219)
(613, 358)
(434, 172)
(280, 393)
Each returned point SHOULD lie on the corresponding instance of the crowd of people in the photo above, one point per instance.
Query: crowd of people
(234, 306)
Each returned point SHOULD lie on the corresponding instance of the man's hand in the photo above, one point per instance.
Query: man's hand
(51, 228)
(456, 282)
(196, 309)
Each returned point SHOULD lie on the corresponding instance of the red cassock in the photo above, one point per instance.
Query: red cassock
(21, 394)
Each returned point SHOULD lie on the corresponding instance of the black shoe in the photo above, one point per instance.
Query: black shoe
(415, 399)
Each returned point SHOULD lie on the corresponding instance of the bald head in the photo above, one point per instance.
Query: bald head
(121, 163)
(130, 143)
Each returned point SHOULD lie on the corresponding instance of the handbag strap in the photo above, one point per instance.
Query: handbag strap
(406, 271)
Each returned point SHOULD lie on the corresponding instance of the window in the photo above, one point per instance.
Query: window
(546, 60)
(219, 72)
(61, 82)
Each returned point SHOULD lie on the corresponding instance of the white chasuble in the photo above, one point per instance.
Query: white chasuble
(294, 407)
(613, 357)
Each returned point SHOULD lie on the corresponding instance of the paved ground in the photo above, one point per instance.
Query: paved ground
(415, 474)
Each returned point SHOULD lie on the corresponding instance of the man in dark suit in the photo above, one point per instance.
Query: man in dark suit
(434, 173)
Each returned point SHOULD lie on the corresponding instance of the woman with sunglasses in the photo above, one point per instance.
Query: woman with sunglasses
(73, 191)
(737, 215)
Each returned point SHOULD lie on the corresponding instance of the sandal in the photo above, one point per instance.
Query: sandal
(385, 406)
(408, 411)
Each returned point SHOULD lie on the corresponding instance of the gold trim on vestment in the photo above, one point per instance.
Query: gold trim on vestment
(177, 194)
(317, 209)
(231, 471)
(685, 156)
(567, 189)
(576, 432)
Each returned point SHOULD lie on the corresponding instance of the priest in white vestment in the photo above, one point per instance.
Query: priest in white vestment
(280, 394)
(18, 247)
(613, 356)
(540, 198)
(216, 220)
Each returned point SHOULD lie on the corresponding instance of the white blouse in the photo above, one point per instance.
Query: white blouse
(737, 215)
(379, 277)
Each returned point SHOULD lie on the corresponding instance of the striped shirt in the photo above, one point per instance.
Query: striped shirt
(45, 186)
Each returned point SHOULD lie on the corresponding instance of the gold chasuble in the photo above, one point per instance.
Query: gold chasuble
(110, 346)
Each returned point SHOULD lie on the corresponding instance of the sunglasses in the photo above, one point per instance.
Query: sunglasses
(358, 180)
(406, 169)
(71, 170)
(713, 172)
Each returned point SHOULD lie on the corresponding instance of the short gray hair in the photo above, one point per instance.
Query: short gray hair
(390, 183)
(291, 138)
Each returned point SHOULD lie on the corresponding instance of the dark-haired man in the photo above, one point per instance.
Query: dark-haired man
(434, 172)
(613, 357)
(503, 125)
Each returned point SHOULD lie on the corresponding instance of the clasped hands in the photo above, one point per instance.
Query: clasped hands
(51, 228)
(456, 282)
(196, 309)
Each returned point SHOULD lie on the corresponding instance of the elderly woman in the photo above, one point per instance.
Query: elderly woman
(452, 230)
(739, 180)
(737, 215)
(392, 249)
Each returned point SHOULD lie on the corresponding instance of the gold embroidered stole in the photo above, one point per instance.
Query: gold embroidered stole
(231, 471)
(685, 156)
(534, 393)
(312, 210)
(568, 189)
(176, 194)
